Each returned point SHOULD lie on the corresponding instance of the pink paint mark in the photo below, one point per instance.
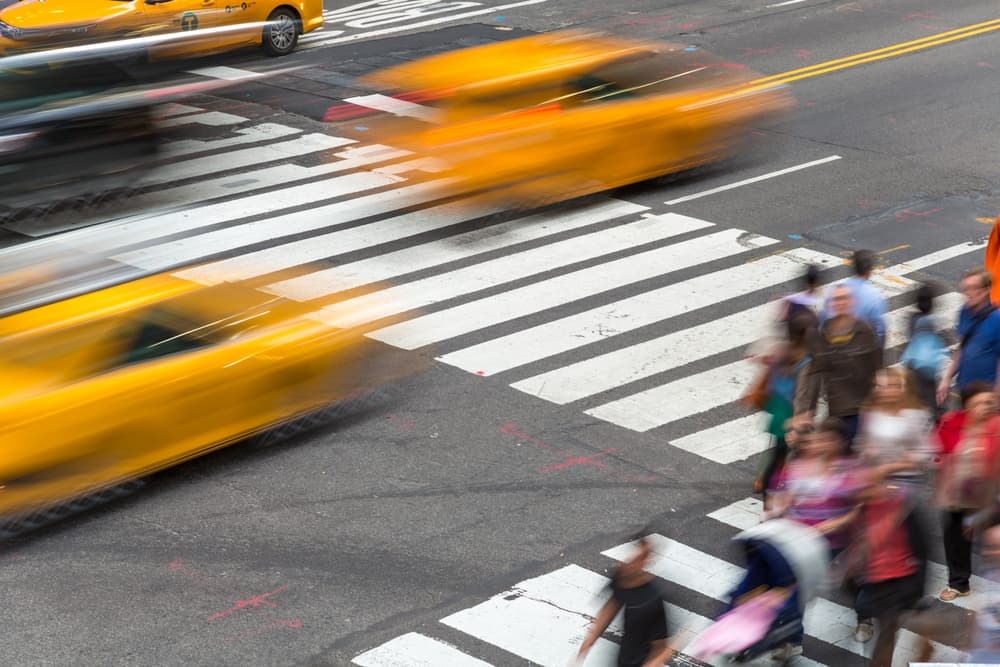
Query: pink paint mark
(850, 6)
(809, 104)
(803, 53)
(295, 624)
(254, 602)
(511, 429)
(983, 63)
(693, 25)
(907, 214)
(870, 203)
(480, 373)
(927, 16)
(405, 424)
(579, 461)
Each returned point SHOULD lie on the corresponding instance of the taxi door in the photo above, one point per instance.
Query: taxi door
(188, 17)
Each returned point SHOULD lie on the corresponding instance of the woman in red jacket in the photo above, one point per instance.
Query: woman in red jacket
(967, 478)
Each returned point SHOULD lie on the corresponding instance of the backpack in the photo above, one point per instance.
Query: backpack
(926, 350)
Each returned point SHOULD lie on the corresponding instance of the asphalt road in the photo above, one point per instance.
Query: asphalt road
(319, 549)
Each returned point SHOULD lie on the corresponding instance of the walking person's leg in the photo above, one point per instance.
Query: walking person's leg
(957, 553)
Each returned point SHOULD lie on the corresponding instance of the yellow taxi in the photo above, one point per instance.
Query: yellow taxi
(33, 24)
(561, 115)
(105, 387)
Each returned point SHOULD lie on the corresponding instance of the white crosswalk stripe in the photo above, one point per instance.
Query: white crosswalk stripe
(537, 297)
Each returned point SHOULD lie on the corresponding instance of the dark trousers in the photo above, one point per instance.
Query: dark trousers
(886, 601)
(957, 550)
(776, 457)
(850, 432)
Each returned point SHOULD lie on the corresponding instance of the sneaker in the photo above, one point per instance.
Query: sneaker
(864, 632)
(786, 652)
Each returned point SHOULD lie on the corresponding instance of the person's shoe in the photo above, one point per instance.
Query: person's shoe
(950, 594)
(864, 632)
(786, 652)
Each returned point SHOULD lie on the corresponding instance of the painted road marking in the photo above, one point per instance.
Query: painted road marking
(490, 358)
(755, 179)
(395, 106)
(415, 650)
(491, 273)
(603, 322)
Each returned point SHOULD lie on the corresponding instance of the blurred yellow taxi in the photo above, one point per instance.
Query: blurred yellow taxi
(33, 24)
(108, 386)
(560, 115)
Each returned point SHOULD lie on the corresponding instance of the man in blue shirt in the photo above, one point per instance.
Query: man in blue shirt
(869, 304)
(978, 353)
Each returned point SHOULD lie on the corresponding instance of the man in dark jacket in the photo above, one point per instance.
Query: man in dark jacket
(847, 355)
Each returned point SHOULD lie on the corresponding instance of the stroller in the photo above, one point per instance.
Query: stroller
(790, 561)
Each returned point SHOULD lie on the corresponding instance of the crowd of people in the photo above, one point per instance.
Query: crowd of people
(870, 443)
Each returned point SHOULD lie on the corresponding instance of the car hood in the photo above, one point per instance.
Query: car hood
(45, 14)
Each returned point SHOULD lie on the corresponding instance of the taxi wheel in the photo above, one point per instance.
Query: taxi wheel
(281, 33)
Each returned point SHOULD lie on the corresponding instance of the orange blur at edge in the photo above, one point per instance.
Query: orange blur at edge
(992, 260)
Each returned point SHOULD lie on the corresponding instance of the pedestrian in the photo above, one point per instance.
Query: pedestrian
(785, 377)
(868, 304)
(808, 302)
(967, 478)
(978, 353)
(842, 369)
(926, 352)
(893, 573)
(985, 647)
(644, 637)
(894, 430)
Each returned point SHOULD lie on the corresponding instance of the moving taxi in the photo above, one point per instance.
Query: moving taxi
(565, 114)
(34, 24)
(105, 387)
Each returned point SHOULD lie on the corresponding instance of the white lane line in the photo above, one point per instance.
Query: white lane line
(745, 513)
(635, 362)
(297, 253)
(714, 577)
(685, 397)
(247, 135)
(612, 319)
(167, 214)
(542, 631)
(225, 73)
(270, 229)
(394, 106)
(176, 109)
(435, 289)
(247, 157)
(334, 39)
(787, 2)
(213, 118)
(755, 179)
(415, 650)
(468, 244)
(534, 298)
(933, 258)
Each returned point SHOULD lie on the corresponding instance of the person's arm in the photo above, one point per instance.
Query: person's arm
(833, 525)
(944, 386)
(807, 389)
(659, 654)
(600, 624)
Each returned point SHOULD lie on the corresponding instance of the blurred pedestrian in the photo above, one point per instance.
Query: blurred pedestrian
(808, 302)
(644, 637)
(847, 354)
(978, 353)
(894, 430)
(786, 376)
(967, 479)
(894, 561)
(986, 633)
(868, 304)
(926, 351)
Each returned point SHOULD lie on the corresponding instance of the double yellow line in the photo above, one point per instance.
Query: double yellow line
(879, 54)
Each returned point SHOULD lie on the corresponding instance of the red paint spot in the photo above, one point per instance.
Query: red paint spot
(983, 63)
(254, 602)
(761, 52)
(295, 624)
(803, 53)
(690, 26)
(578, 461)
(870, 203)
(810, 104)
(511, 429)
(929, 16)
(344, 112)
(907, 214)
(480, 372)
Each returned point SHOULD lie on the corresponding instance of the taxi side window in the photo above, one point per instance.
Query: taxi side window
(159, 336)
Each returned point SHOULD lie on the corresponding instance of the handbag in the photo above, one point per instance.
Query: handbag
(757, 395)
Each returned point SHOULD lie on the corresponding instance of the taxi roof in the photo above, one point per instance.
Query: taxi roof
(537, 56)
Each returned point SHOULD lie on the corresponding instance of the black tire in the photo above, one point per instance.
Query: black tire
(281, 34)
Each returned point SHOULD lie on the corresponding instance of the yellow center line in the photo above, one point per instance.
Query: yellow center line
(879, 54)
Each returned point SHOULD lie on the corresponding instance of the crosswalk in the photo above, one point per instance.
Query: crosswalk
(635, 316)
(544, 619)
